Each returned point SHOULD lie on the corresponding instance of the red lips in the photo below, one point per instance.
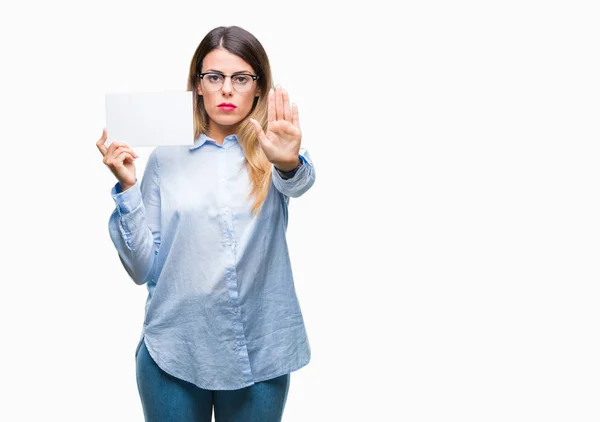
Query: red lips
(228, 105)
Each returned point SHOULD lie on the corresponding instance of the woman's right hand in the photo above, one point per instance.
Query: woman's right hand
(119, 157)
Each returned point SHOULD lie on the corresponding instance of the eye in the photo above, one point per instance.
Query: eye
(214, 77)
(242, 79)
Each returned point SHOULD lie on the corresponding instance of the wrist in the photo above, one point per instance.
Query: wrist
(125, 186)
(291, 173)
(286, 167)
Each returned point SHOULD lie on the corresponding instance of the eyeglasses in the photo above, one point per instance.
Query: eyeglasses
(241, 82)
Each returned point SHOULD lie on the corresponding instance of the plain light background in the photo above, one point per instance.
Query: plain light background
(446, 259)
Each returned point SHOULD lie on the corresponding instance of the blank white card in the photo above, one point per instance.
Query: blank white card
(150, 118)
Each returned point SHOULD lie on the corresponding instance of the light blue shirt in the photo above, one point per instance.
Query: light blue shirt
(222, 311)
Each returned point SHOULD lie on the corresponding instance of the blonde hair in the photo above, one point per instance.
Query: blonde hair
(243, 44)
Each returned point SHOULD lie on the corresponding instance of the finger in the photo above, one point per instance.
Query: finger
(115, 161)
(262, 138)
(287, 112)
(295, 117)
(114, 145)
(271, 106)
(101, 144)
(278, 103)
(112, 159)
(120, 149)
(129, 159)
(124, 156)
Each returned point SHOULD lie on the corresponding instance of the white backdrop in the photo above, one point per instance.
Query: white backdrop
(446, 259)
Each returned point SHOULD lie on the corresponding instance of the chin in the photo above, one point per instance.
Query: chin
(227, 120)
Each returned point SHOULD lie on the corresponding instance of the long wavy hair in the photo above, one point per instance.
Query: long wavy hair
(243, 44)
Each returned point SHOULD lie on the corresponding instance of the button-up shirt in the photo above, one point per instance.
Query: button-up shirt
(222, 311)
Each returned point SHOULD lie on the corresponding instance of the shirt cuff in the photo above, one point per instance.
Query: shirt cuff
(286, 175)
(129, 200)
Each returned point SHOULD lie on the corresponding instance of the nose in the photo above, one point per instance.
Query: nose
(227, 88)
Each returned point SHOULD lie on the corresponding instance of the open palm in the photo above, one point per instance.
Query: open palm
(281, 143)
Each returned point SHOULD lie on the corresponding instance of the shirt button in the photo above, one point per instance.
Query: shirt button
(235, 310)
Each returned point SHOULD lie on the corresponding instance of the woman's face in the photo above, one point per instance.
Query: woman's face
(227, 106)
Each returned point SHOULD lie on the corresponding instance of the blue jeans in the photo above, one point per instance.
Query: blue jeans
(169, 399)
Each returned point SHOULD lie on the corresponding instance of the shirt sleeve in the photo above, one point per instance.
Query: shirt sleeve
(134, 225)
(300, 182)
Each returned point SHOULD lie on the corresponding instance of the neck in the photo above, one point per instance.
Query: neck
(218, 132)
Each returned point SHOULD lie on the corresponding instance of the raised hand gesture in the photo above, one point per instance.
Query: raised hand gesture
(281, 143)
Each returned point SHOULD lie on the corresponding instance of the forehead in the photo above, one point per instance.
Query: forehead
(225, 62)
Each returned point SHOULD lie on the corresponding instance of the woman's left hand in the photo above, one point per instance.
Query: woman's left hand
(281, 143)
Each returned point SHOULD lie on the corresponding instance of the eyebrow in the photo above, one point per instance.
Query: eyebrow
(234, 73)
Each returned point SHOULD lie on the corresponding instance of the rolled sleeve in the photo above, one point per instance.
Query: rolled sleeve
(129, 200)
(300, 182)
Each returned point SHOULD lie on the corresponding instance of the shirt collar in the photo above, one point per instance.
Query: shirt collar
(203, 138)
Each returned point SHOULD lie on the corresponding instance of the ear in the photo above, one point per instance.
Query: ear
(257, 92)
(199, 89)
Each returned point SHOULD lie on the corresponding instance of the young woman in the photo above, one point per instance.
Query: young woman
(205, 231)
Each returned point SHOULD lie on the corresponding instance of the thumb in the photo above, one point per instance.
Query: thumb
(259, 132)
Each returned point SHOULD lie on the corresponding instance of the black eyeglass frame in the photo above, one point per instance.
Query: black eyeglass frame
(202, 75)
(254, 78)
